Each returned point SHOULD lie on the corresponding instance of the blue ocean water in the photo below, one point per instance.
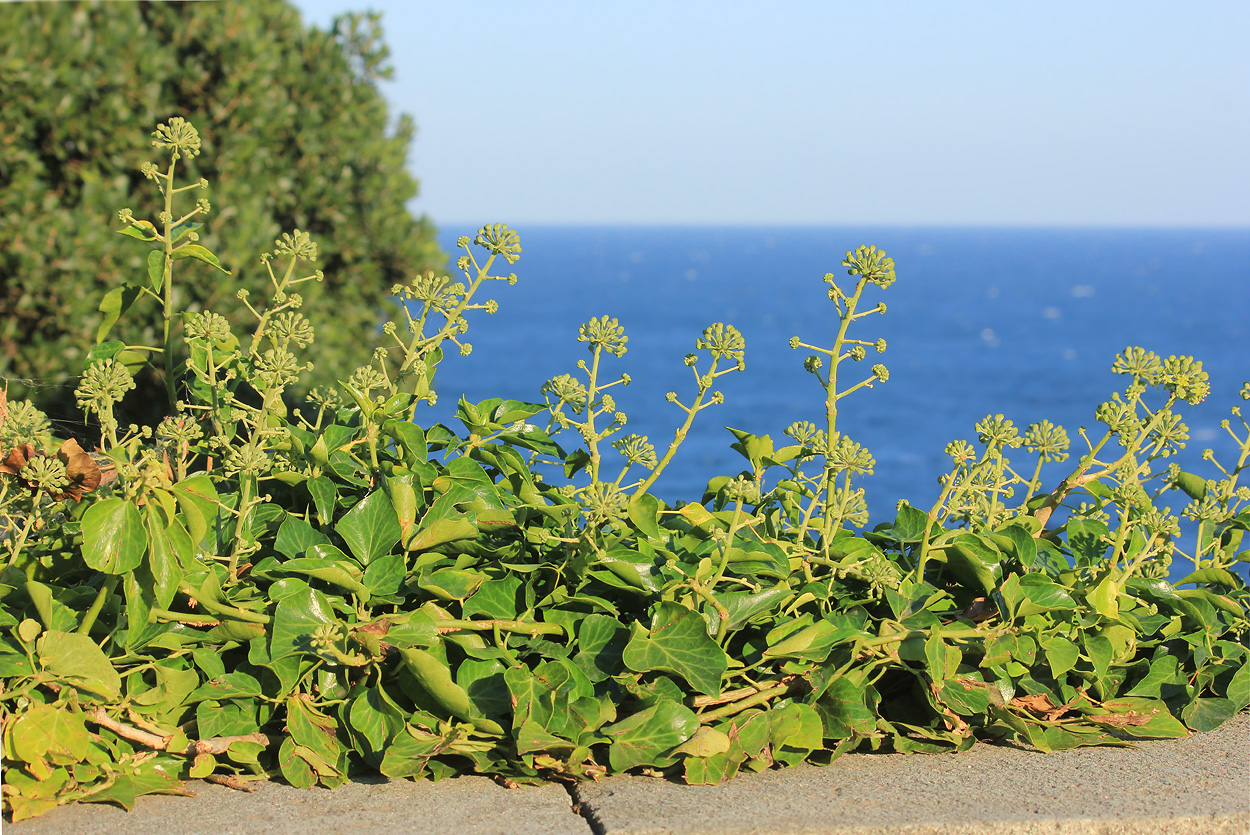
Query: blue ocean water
(1023, 322)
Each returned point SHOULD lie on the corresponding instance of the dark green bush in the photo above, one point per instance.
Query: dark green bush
(296, 135)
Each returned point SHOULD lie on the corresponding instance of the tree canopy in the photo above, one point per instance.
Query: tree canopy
(296, 134)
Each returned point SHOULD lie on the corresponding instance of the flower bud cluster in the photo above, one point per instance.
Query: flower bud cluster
(498, 239)
(637, 450)
(604, 332)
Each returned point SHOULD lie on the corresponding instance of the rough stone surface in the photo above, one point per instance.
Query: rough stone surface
(463, 806)
(1194, 786)
(1198, 785)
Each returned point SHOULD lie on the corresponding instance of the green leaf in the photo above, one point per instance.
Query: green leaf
(648, 736)
(1208, 714)
(1194, 486)
(1210, 576)
(156, 270)
(644, 512)
(909, 526)
(1061, 655)
(384, 575)
(371, 528)
(376, 718)
(814, 642)
(199, 253)
(295, 536)
(142, 230)
(636, 570)
(197, 499)
(409, 441)
(1239, 687)
(495, 598)
(452, 583)
(77, 660)
(435, 678)
(754, 448)
(601, 641)
(295, 619)
(435, 531)
(233, 685)
(1164, 672)
(313, 730)
(114, 540)
(324, 493)
(1029, 594)
(843, 709)
(323, 565)
(1141, 718)
(1105, 598)
(1086, 539)
(796, 732)
(44, 731)
(115, 303)
(678, 643)
(169, 548)
(975, 560)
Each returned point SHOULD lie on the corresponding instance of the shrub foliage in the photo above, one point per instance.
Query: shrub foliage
(246, 590)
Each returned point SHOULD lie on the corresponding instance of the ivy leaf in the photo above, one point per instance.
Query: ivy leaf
(115, 303)
(647, 737)
(644, 512)
(295, 619)
(678, 643)
(371, 528)
(199, 253)
(114, 540)
(44, 731)
(76, 660)
(295, 536)
(197, 499)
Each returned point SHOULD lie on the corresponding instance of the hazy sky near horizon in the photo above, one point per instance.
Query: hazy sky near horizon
(1103, 112)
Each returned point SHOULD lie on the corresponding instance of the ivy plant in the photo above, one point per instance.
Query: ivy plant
(262, 588)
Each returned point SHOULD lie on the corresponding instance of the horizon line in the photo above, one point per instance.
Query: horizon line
(582, 224)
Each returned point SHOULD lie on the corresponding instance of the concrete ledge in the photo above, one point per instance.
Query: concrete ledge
(1194, 786)
(463, 806)
(1198, 785)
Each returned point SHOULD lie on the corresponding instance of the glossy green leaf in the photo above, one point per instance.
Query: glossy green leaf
(296, 619)
(199, 253)
(371, 528)
(677, 642)
(114, 539)
(648, 736)
(644, 510)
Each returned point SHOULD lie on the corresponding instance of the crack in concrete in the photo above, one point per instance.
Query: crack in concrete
(583, 811)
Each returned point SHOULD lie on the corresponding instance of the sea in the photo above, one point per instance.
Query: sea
(1023, 322)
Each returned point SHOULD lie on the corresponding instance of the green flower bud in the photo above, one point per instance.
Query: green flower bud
(872, 264)
(179, 136)
(498, 239)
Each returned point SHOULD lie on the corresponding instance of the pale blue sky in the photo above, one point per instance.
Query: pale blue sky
(915, 113)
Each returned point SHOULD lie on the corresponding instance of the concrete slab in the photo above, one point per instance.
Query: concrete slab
(463, 806)
(1194, 786)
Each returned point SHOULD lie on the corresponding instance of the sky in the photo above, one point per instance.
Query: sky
(1091, 113)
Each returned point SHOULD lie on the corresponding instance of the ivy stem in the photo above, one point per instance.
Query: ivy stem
(89, 619)
(167, 282)
(679, 435)
(759, 698)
